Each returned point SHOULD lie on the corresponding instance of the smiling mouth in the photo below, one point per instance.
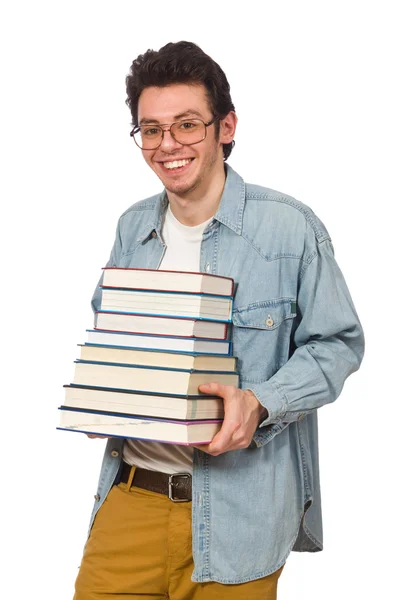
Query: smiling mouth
(176, 165)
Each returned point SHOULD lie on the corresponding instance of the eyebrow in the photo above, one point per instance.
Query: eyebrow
(186, 113)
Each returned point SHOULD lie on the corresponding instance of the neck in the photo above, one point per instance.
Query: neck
(199, 204)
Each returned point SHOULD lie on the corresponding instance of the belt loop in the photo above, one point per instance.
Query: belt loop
(131, 477)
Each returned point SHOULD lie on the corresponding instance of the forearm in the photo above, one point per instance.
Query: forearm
(313, 376)
(329, 345)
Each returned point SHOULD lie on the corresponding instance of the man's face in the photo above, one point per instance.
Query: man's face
(174, 103)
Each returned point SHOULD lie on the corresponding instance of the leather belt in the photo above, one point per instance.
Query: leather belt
(178, 486)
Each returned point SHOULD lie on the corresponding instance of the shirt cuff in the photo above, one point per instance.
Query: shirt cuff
(270, 397)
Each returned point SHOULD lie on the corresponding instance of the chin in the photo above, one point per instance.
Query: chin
(178, 187)
(182, 188)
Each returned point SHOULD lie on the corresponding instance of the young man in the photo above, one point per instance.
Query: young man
(254, 493)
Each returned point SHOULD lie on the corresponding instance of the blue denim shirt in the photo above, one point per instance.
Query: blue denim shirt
(297, 338)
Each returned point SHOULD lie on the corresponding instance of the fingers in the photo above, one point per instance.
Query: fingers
(223, 438)
(240, 420)
(202, 447)
(221, 441)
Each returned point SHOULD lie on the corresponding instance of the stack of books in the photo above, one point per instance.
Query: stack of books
(157, 337)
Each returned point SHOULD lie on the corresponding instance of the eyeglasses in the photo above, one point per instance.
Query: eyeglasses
(186, 132)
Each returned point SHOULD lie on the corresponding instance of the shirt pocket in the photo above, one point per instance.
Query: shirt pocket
(261, 335)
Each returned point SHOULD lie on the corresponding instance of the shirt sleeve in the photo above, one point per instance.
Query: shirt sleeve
(112, 262)
(329, 345)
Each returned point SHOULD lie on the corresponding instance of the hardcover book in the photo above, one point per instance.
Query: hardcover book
(132, 323)
(157, 358)
(150, 302)
(158, 342)
(173, 281)
(139, 403)
(128, 426)
(147, 379)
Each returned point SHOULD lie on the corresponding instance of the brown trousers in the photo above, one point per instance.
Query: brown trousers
(140, 547)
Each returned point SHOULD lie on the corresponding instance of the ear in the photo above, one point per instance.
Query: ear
(228, 128)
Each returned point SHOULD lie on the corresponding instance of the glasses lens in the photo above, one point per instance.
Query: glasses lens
(148, 137)
(188, 131)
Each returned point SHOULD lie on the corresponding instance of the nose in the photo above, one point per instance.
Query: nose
(168, 143)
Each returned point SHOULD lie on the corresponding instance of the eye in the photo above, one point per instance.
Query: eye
(188, 125)
(150, 131)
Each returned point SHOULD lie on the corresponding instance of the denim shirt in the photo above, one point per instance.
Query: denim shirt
(297, 338)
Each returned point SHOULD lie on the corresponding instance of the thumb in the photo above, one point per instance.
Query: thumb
(211, 388)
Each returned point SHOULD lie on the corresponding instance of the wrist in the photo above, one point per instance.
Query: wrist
(262, 411)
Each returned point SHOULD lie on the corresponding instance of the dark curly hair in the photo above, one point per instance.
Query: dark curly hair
(181, 62)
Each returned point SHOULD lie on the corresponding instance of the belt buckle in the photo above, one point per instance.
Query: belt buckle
(171, 485)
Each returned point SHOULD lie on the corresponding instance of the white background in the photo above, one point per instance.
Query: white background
(313, 84)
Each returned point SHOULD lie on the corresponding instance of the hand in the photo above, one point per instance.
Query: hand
(243, 413)
(93, 435)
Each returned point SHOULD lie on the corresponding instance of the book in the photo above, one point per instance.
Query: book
(147, 379)
(130, 426)
(150, 405)
(158, 342)
(150, 302)
(119, 321)
(157, 358)
(181, 281)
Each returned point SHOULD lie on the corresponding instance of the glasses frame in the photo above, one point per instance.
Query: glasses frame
(137, 128)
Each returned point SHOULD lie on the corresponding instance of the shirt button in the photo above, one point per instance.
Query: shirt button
(207, 267)
(154, 234)
(114, 453)
(97, 497)
(269, 321)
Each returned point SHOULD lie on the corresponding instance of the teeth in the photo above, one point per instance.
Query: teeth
(177, 163)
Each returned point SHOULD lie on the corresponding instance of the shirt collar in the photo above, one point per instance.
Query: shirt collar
(230, 211)
(231, 207)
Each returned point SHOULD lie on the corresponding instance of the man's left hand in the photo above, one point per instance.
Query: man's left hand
(243, 413)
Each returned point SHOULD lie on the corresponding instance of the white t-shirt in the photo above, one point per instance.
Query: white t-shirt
(182, 254)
